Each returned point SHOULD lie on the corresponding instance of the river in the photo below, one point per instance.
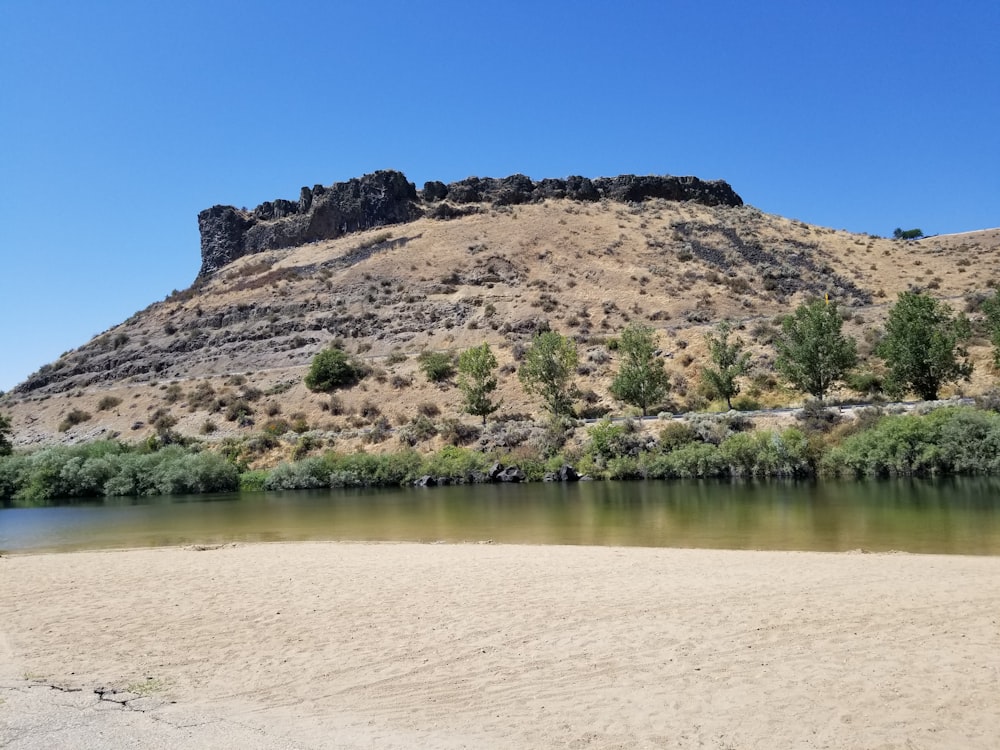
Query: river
(952, 516)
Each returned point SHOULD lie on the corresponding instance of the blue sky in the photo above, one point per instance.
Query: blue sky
(120, 121)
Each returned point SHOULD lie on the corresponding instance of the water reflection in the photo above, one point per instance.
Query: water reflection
(946, 516)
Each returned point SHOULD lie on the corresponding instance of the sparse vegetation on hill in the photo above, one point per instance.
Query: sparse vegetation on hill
(498, 271)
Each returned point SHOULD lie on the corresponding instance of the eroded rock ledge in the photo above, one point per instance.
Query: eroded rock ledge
(386, 197)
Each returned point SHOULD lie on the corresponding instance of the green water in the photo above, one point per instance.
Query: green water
(956, 516)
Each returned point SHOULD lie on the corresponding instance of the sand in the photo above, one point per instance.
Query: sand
(333, 645)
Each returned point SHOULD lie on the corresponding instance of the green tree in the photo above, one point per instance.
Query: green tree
(547, 371)
(922, 347)
(6, 448)
(991, 307)
(477, 381)
(437, 366)
(729, 360)
(331, 369)
(907, 234)
(813, 353)
(641, 379)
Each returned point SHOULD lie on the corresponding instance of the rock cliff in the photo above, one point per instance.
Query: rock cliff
(386, 197)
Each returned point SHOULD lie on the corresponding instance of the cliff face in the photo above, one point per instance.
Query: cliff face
(321, 213)
(386, 197)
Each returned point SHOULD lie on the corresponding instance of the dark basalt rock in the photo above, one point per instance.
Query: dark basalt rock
(321, 213)
(500, 473)
(566, 473)
(386, 197)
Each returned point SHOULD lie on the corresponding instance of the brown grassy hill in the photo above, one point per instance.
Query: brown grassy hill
(242, 338)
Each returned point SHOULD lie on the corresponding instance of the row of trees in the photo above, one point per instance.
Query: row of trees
(922, 347)
(922, 350)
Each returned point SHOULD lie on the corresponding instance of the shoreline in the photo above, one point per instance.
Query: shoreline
(397, 644)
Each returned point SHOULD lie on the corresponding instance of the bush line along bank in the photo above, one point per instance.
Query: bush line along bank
(946, 441)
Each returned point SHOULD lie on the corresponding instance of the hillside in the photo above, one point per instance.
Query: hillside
(457, 270)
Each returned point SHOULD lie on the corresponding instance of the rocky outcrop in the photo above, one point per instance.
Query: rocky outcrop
(518, 189)
(321, 213)
(386, 197)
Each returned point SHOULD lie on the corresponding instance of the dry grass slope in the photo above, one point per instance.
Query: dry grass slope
(227, 356)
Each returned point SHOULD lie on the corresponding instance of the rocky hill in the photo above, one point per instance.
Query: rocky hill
(389, 271)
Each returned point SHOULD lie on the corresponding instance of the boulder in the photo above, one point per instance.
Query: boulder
(512, 474)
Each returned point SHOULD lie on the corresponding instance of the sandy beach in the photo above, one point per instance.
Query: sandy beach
(334, 645)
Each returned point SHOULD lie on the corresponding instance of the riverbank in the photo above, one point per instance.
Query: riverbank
(334, 645)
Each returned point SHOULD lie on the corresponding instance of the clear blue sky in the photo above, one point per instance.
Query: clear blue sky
(121, 120)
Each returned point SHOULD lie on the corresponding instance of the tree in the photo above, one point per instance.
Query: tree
(437, 366)
(907, 234)
(641, 379)
(730, 363)
(991, 307)
(813, 354)
(547, 369)
(6, 448)
(923, 346)
(477, 381)
(331, 369)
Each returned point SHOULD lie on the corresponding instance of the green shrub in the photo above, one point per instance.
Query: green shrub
(955, 440)
(332, 369)
(238, 410)
(253, 481)
(419, 429)
(202, 396)
(75, 417)
(455, 462)
(689, 461)
(309, 473)
(370, 470)
(610, 440)
(276, 427)
(866, 383)
(746, 403)
(437, 366)
(428, 409)
(108, 402)
(459, 433)
(623, 467)
(676, 434)
(107, 468)
(767, 454)
(814, 417)
(162, 420)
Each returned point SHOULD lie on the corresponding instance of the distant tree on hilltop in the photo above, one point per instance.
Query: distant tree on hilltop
(907, 234)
